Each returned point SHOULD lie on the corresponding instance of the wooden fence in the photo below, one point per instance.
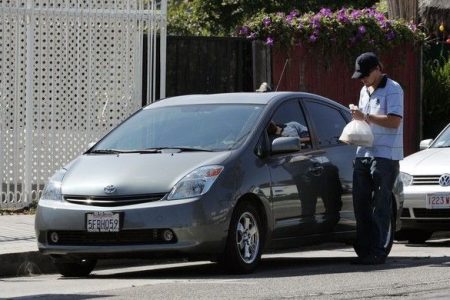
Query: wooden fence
(304, 72)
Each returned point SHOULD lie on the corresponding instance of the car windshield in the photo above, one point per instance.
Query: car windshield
(443, 141)
(202, 127)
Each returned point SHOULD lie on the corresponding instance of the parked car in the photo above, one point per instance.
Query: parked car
(200, 176)
(426, 177)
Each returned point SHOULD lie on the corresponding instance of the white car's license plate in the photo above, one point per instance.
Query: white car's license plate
(103, 221)
(438, 200)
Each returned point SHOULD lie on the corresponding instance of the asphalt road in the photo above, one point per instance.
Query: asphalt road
(411, 272)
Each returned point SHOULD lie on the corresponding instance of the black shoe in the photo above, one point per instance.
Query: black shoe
(369, 260)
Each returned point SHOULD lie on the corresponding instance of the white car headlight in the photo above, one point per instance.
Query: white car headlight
(406, 178)
(52, 190)
(195, 183)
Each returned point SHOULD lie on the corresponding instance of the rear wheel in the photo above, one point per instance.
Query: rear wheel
(413, 236)
(74, 267)
(244, 242)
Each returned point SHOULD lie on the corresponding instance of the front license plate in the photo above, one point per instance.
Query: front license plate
(103, 221)
(438, 200)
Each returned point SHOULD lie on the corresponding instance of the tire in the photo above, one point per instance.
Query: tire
(74, 267)
(245, 240)
(413, 236)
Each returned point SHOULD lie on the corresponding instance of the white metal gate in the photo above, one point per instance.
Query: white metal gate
(70, 70)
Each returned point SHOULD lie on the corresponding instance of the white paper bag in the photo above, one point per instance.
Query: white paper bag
(357, 132)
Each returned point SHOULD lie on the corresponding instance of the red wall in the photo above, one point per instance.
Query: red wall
(304, 73)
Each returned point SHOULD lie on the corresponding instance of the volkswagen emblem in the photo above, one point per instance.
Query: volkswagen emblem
(444, 180)
(110, 189)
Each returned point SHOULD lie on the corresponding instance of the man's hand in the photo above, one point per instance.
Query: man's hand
(356, 113)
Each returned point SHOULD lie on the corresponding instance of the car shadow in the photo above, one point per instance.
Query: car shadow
(429, 243)
(274, 267)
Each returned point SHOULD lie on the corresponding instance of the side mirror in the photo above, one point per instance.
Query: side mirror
(286, 145)
(425, 144)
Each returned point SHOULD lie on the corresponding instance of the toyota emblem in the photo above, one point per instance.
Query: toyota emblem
(110, 189)
(444, 180)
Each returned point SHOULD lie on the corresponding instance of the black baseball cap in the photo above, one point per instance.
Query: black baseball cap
(364, 64)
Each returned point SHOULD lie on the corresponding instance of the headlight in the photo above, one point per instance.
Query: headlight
(52, 190)
(406, 178)
(195, 183)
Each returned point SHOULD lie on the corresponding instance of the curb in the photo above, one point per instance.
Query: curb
(25, 264)
(35, 263)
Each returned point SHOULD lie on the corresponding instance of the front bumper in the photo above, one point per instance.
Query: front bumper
(198, 229)
(415, 215)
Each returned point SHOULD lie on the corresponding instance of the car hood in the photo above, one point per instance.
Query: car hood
(133, 173)
(431, 161)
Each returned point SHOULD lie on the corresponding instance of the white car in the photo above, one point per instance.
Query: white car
(426, 180)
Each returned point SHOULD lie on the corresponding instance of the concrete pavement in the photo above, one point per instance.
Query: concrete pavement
(19, 254)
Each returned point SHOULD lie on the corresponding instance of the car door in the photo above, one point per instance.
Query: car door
(334, 209)
(293, 179)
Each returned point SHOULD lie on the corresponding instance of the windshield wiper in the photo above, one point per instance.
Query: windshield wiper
(181, 149)
(106, 151)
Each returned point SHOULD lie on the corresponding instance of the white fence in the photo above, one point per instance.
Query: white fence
(70, 70)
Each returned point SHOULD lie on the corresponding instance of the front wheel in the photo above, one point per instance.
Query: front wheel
(74, 267)
(244, 242)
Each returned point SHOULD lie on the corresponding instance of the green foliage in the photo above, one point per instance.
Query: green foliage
(222, 17)
(346, 31)
(436, 96)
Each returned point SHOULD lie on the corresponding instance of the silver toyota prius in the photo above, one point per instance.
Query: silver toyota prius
(222, 177)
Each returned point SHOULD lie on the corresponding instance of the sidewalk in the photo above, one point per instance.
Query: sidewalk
(19, 254)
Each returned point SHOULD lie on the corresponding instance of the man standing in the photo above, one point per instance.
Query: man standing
(376, 168)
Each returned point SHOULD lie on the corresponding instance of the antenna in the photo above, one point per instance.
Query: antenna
(282, 73)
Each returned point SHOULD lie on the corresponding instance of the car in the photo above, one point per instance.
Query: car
(426, 179)
(199, 176)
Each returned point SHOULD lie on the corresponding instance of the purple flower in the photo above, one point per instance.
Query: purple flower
(289, 18)
(313, 38)
(356, 14)
(267, 21)
(342, 16)
(412, 27)
(315, 22)
(380, 17)
(244, 30)
(294, 13)
(371, 12)
(269, 41)
(390, 35)
(362, 29)
(326, 12)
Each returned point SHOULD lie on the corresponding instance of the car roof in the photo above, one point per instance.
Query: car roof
(228, 98)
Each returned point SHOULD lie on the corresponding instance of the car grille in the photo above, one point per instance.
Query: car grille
(124, 237)
(109, 201)
(426, 180)
(431, 213)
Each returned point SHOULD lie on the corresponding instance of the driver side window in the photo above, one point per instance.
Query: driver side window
(289, 120)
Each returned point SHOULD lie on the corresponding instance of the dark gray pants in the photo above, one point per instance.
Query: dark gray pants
(373, 181)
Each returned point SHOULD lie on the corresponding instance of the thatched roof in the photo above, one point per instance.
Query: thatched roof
(432, 13)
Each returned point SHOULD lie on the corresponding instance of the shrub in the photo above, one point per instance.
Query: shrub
(345, 31)
(436, 96)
